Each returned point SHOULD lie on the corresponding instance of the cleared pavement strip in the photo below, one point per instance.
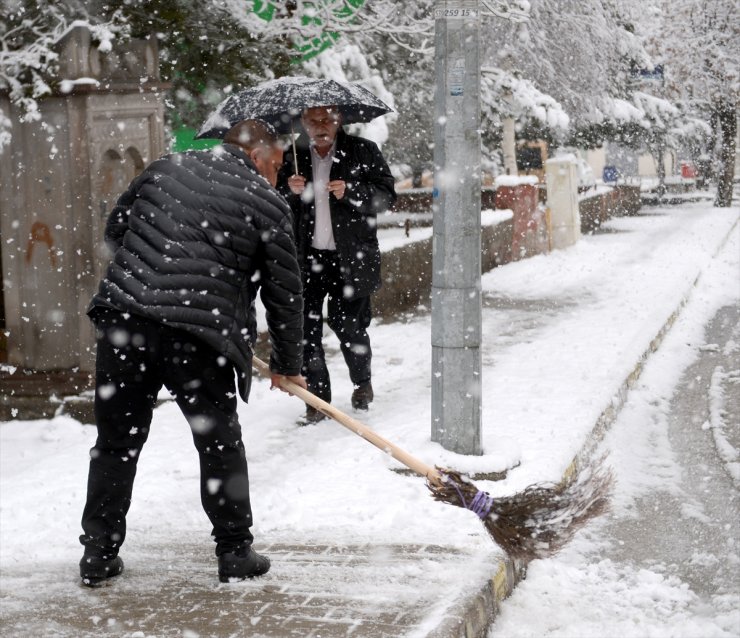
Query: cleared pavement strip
(362, 590)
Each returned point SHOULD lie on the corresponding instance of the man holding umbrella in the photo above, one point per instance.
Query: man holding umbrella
(336, 185)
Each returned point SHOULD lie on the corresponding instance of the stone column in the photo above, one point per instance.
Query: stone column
(562, 202)
(61, 176)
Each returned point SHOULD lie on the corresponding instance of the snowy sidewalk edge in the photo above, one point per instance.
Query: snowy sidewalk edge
(610, 413)
(482, 609)
(478, 613)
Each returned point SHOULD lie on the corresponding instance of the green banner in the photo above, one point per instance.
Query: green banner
(310, 47)
(183, 139)
(264, 10)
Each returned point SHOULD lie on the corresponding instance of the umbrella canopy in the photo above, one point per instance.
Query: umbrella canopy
(281, 101)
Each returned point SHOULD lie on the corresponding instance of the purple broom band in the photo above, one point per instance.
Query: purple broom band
(481, 504)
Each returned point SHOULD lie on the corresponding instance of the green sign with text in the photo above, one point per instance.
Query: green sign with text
(309, 47)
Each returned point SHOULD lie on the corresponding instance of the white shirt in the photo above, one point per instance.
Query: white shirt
(323, 235)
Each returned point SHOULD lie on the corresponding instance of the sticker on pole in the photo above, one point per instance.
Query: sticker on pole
(456, 77)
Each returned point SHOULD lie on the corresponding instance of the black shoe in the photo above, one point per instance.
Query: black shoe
(362, 396)
(242, 563)
(311, 417)
(94, 570)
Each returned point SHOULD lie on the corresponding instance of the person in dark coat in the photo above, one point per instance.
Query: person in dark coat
(337, 190)
(194, 238)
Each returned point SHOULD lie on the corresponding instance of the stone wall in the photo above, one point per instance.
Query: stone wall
(620, 201)
(530, 231)
(407, 270)
(420, 200)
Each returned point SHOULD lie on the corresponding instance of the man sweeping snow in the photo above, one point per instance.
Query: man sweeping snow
(194, 237)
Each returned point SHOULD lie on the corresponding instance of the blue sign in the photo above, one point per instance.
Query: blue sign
(656, 73)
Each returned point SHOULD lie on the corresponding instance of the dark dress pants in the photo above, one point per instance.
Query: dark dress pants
(347, 317)
(135, 357)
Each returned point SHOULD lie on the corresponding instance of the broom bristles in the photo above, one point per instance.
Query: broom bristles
(537, 522)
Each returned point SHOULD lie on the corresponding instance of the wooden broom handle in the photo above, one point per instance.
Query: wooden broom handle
(360, 429)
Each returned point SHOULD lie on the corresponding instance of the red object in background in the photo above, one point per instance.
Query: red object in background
(522, 200)
(688, 170)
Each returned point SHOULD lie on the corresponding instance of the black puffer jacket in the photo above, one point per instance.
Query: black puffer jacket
(369, 191)
(194, 237)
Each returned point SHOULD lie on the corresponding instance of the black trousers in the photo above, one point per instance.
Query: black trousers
(135, 357)
(347, 317)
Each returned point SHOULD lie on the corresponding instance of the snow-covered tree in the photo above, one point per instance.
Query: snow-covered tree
(507, 99)
(576, 52)
(314, 25)
(204, 51)
(411, 81)
(697, 43)
(546, 61)
(660, 118)
(386, 45)
(29, 31)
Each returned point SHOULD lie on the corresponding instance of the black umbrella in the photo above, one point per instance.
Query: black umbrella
(280, 102)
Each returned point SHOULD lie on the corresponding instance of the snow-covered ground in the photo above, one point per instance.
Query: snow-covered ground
(561, 333)
(665, 562)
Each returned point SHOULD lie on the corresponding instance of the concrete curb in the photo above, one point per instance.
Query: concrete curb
(479, 614)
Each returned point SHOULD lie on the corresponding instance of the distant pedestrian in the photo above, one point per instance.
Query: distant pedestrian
(195, 236)
(337, 190)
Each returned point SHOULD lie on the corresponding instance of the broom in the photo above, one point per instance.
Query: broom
(532, 524)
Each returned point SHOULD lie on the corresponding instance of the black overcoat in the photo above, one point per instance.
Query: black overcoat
(369, 192)
(194, 238)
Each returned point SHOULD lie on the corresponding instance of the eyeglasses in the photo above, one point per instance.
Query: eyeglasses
(324, 121)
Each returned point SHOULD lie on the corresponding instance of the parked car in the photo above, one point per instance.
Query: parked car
(586, 177)
(584, 172)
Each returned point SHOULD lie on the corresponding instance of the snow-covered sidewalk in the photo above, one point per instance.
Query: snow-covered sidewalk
(562, 333)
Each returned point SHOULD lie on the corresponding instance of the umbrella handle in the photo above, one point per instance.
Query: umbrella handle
(295, 155)
(411, 462)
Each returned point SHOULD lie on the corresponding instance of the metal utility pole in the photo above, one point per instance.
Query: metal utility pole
(456, 300)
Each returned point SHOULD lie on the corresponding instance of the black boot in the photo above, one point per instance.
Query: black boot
(362, 396)
(311, 417)
(94, 570)
(242, 563)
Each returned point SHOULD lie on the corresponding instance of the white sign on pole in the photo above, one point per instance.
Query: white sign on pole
(456, 79)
